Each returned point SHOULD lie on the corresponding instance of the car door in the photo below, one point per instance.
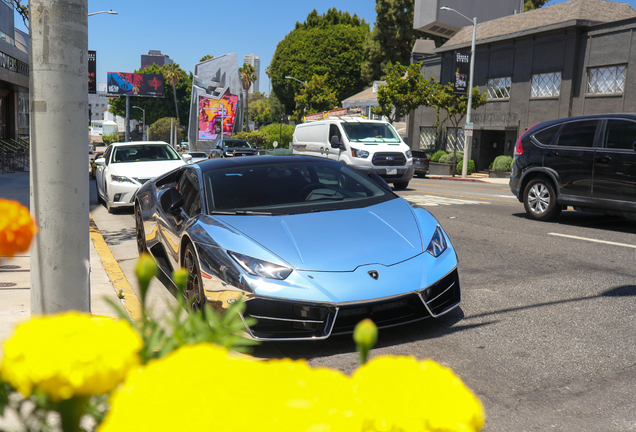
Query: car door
(571, 157)
(329, 152)
(188, 187)
(615, 162)
(99, 172)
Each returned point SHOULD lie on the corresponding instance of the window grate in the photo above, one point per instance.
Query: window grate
(456, 139)
(499, 88)
(547, 84)
(428, 137)
(606, 80)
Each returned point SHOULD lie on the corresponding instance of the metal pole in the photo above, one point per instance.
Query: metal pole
(469, 141)
(127, 126)
(171, 132)
(58, 57)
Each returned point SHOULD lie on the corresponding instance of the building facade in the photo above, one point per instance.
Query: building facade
(256, 62)
(14, 77)
(155, 57)
(572, 58)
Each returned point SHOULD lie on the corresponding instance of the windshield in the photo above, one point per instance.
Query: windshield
(237, 144)
(144, 153)
(290, 188)
(370, 132)
(198, 154)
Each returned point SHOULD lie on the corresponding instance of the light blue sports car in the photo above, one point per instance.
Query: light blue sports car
(311, 245)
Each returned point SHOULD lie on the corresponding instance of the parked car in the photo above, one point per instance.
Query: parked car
(276, 231)
(366, 145)
(232, 148)
(197, 156)
(93, 164)
(586, 162)
(124, 167)
(421, 162)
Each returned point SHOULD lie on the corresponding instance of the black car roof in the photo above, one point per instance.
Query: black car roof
(222, 163)
(547, 123)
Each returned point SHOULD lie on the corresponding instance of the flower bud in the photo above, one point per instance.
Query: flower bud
(180, 278)
(145, 269)
(365, 335)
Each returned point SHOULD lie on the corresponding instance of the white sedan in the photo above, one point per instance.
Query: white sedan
(125, 167)
(197, 156)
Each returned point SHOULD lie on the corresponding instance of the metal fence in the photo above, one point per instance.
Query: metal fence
(14, 155)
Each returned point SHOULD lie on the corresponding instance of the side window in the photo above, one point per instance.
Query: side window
(107, 153)
(578, 134)
(189, 190)
(620, 134)
(546, 136)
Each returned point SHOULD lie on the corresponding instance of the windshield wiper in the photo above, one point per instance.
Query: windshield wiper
(243, 212)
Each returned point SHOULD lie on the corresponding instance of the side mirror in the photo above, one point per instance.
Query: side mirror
(335, 141)
(100, 161)
(171, 201)
(186, 157)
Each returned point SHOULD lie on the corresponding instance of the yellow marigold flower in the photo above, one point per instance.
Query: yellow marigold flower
(69, 354)
(205, 388)
(17, 228)
(400, 394)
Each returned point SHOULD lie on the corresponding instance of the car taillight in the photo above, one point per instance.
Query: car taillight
(518, 146)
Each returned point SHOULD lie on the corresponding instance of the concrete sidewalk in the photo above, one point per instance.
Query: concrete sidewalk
(15, 280)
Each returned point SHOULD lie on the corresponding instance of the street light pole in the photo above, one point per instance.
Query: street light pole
(110, 12)
(469, 142)
(143, 129)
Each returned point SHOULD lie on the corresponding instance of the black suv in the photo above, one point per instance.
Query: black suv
(586, 162)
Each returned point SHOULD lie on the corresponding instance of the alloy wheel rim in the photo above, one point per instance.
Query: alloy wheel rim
(192, 287)
(539, 198)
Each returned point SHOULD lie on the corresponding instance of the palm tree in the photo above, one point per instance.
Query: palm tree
(206, 57)
(173, 74)
(268, 72)
(248, 76)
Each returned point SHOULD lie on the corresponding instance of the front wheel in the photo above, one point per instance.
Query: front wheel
(140, 232)
(539, 200)
(401, 185)
(194, 293)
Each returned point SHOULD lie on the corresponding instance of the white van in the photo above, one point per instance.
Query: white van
(366, 145)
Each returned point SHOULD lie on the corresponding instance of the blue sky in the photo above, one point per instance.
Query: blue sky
(189, 29)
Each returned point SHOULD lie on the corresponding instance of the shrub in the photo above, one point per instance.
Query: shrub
(437, 155)
(469, 170)
(256, 139)
(109, 139)
(160, 130)
(448, 158)
(502, 163)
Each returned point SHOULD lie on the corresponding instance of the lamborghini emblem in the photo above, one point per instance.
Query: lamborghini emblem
(374, 274)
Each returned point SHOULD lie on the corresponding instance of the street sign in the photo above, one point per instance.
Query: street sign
(275, 144)
(468, 129)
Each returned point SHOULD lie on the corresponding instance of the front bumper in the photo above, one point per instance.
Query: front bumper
(122, 194)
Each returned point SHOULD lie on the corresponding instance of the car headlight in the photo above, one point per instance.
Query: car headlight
(256, 267)
(438, 243)
(359, 153)
(409, 155)
(121, 179)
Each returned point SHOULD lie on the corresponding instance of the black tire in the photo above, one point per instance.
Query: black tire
(139, 231)
(194, 293)
(539, 200)
(401, 185)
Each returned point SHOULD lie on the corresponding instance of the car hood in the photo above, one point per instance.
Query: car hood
(339, 240)
(145, 169)
(241, 149)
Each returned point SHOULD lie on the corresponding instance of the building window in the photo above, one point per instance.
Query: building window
(455, 139)
(499, 88)
(428, 136)
(606, 80)
(546, 84)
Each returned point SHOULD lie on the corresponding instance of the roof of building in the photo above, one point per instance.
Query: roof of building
(365, 95)
(590, 11)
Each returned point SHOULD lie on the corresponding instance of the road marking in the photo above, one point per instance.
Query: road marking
(130, 301)
(594, 240)
(432, 200)
(460, 196)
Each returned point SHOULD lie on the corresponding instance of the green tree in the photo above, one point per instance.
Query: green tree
(156, 108)
(331, 43)
(206, 57)
(172, 73)
(391, 40)
(248, 76)
(405, 90)
(315, 96)
(262, 109)
(160, 130)
(529, 5)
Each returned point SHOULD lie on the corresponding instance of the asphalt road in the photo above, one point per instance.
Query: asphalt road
(545, 332)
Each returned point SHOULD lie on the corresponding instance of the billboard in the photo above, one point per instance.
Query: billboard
(92, 75)
(462, 72)
(135, 84)
(216, 115)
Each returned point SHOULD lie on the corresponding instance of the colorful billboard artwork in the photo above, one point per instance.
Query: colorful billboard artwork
(135, 84)
(212, 112)
(92, 82)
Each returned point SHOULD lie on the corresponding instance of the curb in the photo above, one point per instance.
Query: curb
(130, 301)
(439, 177)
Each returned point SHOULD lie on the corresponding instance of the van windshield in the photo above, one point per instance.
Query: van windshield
(370, 132)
